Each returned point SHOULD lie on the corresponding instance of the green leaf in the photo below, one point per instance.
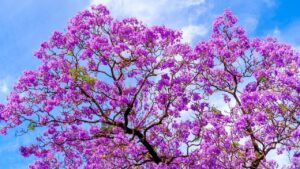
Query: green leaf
(84, 78)
(82, 75)
(73, 73)
(262, 78)
(216, 111)
(235, 144)
(31, 126)
(70, 53)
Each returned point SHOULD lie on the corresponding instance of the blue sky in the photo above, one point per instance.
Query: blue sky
(24, 24)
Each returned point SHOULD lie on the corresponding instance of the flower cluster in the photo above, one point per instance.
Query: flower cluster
(119, 94)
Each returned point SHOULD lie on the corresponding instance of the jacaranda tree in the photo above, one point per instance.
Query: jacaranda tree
(118, 94)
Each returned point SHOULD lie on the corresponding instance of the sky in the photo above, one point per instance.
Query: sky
(24, 24)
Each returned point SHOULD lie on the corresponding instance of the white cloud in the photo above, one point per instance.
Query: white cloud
(287, 35)
(4, 87)
(5, 84)
(147, 11)
(190, 32)
(276, 32)
(150, 12)
(178, 14)
(251, 23)
(192, 2)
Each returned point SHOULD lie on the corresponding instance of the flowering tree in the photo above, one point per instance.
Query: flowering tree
(260, 82)
(119, 94)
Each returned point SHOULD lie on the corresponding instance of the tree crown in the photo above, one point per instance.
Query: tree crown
(119, 94)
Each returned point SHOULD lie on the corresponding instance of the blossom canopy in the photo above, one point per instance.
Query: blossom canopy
(119, 94)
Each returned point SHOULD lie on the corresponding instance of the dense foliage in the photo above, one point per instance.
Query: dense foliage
(118, 94)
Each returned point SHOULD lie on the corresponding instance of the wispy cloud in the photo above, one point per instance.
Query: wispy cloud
(288, 35)
(193, 17)
(192, 31)
(151, 12)
(276, 32)
(4, 89)
(250, 23)
(178, 14)
(5, 85)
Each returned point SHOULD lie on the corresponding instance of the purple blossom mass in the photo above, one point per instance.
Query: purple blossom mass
(112, 94)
